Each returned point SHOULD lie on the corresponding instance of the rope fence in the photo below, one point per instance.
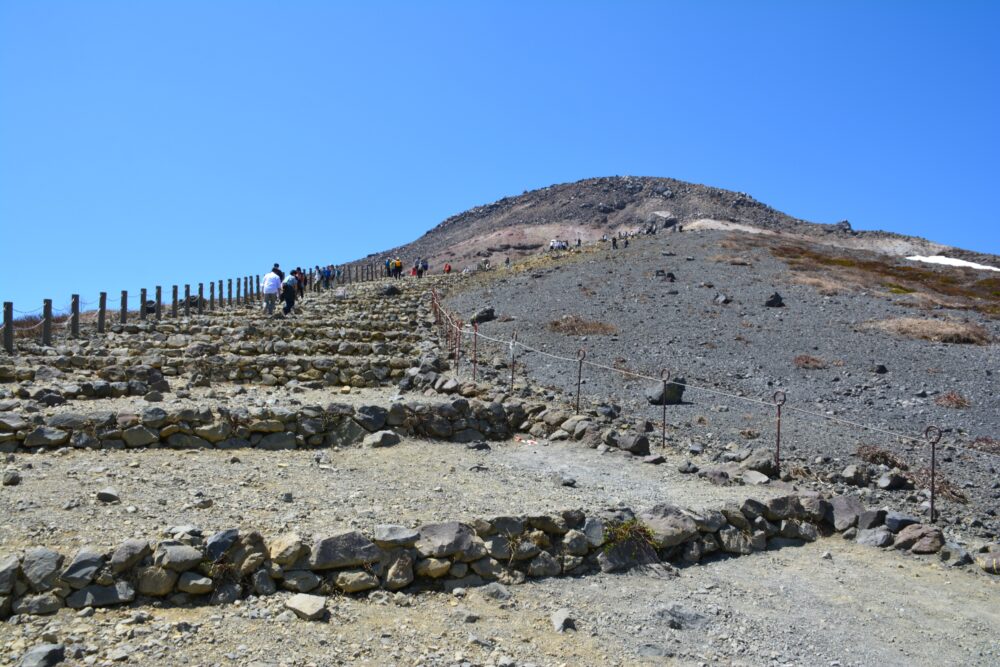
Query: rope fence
(455, 330)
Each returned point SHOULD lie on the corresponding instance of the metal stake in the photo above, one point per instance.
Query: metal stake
(580, 356)
(779, 400)
(513, 344)
(475, 349)
(664, 374)
(933, 436)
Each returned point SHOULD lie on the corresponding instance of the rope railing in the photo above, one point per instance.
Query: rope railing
(456, 330)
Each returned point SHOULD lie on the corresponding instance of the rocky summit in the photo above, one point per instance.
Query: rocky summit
(441, 471)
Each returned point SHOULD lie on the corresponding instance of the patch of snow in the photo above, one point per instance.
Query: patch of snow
(951, 261)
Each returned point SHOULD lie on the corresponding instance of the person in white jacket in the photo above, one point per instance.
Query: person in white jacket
(271, 287)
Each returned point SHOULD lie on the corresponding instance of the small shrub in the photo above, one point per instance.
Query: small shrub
(938, 331)
(877, 456)
(986, 444)
(945, 489)
(808, 362)
(630, 533)
(952, 399)
(574, 325)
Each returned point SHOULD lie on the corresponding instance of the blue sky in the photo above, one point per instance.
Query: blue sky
(147, 143)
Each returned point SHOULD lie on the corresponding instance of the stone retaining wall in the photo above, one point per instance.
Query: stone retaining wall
(459, 420)
(192, 567)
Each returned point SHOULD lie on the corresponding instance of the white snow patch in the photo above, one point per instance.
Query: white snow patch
(951, 261)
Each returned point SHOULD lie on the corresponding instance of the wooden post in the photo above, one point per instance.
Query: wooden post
(143, 297)
(123, 310)
(102, 308)
(238, 291)
(256, 282)
(187, 301)
(74, 315)
(201, 298)
(8, 326)
(211, 295)
(159, 302)
(221, 299)
(173, 304)
(246, 290)
(229, 285)
(47, 322)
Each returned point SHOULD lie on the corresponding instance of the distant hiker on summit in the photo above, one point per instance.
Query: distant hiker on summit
(271, 287)
(289, 288)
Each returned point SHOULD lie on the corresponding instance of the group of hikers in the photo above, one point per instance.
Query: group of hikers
(394, 267)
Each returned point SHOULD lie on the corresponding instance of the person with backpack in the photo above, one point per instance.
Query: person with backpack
(289, 288)
(447, 268)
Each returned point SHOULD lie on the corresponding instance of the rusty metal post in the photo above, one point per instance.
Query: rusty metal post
(47, 322)
(779, 400)
(142, 303)
(513, 344)
(475, 349)
(458, 347)
(74, 317)
(123, 313)
(664, 375)
(8, 326)
(102, 311)
(159, 303)
(580, 356)
(933, 435)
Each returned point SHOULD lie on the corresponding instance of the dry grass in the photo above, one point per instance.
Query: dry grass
(574, 325)
(878, 456)
(952, 399)
(938, 331)
(956, 287)
(985, 444)
(730, 259)
(922, 480)
(824, 286)
(808, 362)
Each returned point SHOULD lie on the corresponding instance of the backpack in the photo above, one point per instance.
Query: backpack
(290, 281)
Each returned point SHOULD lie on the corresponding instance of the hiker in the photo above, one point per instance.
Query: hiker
(506, 262)
(289, 288)
(625, 243)
(447, 268)
(614, 243)
(418, 269)
(277, 271)
(388, 268)
(424, 266)
(271, 287)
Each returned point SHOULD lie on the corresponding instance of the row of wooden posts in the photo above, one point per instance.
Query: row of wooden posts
(247, 290)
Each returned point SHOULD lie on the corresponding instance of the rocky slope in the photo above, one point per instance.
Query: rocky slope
(592, 207)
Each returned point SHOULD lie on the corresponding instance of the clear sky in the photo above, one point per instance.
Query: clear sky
(184, 141)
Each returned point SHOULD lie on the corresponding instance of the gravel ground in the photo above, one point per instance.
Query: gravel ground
(417, 481)
(791, 607)
(747, 349)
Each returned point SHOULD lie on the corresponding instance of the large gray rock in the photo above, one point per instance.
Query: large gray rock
(195, 583)
(308, 607)
(735, 541)
(37, 605)
(348, 549)
(44, 436)
(101, 596)
(40, 568)
(11, 422)
(845, 511)
(155, 580)
(669, 525)
(673, 395)
(128, 554)
(277, 441)
(140, 436)
(634, 443)
(875, 537)
(897, 521)
(43, 655)
(371, 417)
(544, 565)
(220, 543)
(388, 535)
(381, 439)
(9, 566)
(176, 556)
(444, 539)
(83, 568)
(300, 581)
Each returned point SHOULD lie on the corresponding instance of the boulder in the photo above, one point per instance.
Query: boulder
(348, 549)
(286, 549)
(444, 539)
(156, 581)
(775, 301)
(128, 554)
(845, 511)
(635, 443)
(308, 607)
(486, 314)
(40, 568)
(355, 581)
(37, 605)
(120, 592)
(176, 556)
(381, 439)
(194, 583)
(388, 536)
(43, 655)
(82, 568)
(920, 539)
(669, 525)
(44, 436)
(897, 521)
(674, 394)
(875, 537)
(544, 565)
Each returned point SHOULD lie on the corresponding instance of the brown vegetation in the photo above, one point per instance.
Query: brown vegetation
(808, 362)
(574, 325)
(878, 456)
(938, 331)
(952, 399)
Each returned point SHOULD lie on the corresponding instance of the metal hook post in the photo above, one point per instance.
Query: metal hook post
(580, 356)
(933, 435)
(779, 400)
(513, 344)
(664, 374)
(475, 349)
